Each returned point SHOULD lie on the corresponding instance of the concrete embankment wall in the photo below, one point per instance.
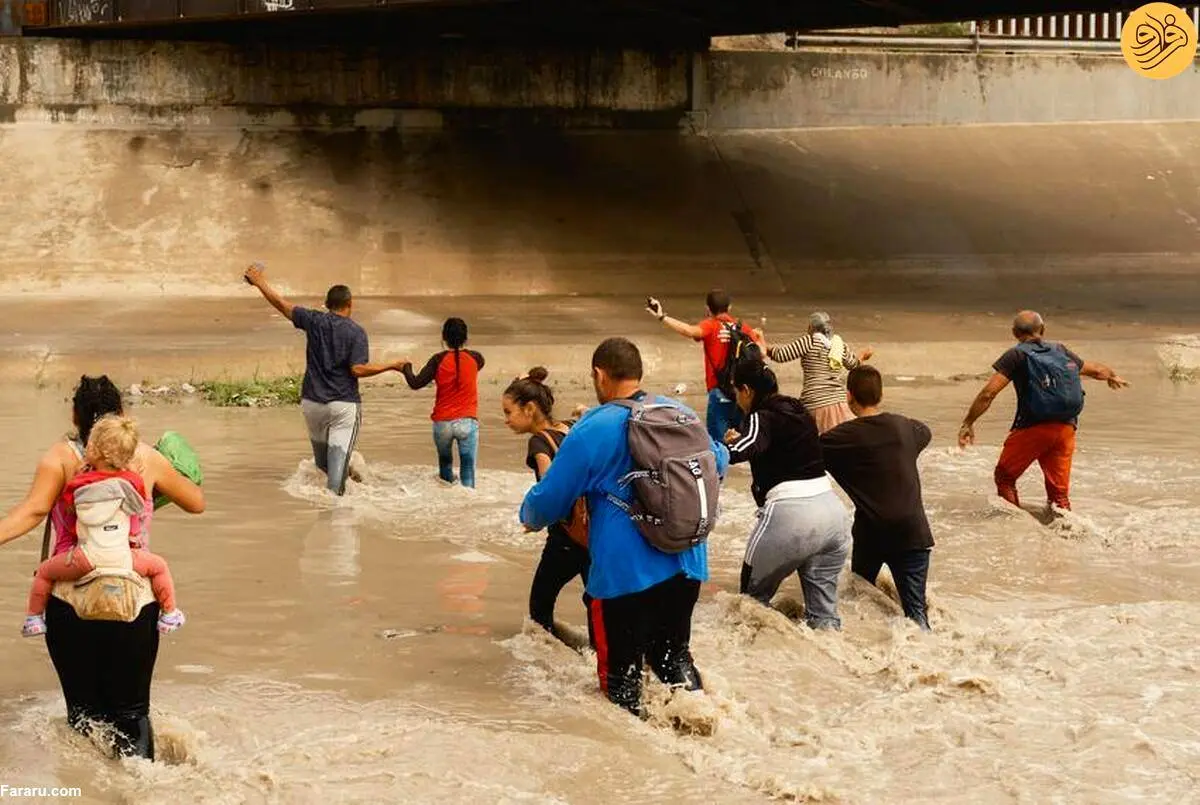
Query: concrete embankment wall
(139, 168)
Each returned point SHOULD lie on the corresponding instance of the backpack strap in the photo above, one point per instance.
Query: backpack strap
(46, 540)
(552, 444)
(76, 448)
(637, 407)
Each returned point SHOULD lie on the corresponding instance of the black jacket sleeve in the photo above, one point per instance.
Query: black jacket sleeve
(754, 438)
(922, 434)
(428, 373)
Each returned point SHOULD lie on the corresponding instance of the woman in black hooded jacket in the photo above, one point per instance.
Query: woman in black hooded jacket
(803, 527)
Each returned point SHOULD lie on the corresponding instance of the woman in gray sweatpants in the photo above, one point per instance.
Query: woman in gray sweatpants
(803, 527)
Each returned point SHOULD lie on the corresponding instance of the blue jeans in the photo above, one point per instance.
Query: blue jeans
(723, 414)
(910, 569)
(466, 433)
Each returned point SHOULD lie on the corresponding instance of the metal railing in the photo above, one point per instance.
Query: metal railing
(1103, 26)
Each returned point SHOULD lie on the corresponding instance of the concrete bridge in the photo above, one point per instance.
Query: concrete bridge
(137, 167)
(662, 21)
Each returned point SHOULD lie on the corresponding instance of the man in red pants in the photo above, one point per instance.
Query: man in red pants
(1046, 376)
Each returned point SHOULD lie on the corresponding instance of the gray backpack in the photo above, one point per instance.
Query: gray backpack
(675, 482)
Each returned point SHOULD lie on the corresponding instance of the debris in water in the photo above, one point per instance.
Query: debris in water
(397, 634)
(477, 557)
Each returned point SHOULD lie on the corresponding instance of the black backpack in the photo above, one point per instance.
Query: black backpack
(741, 348)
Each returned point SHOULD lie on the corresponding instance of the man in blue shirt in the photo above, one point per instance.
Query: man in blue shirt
(642, 598)
(337, 356)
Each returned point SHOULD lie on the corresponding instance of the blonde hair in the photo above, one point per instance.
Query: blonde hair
(113, 440)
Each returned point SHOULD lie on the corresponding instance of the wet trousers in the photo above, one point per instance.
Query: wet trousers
(1051, 445)
(105, 669)
(332, 430)
(562, 560)
(807, 536)
(910, 571)
(654, 626)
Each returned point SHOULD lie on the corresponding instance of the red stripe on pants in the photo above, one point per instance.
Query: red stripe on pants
(1050, 444)
(596, 614)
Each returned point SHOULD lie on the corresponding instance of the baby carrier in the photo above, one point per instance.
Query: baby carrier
(105, 509)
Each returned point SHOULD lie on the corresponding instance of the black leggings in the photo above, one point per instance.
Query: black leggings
(105, 669)
(562, 560)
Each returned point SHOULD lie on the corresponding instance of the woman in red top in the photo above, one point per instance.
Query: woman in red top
(456, 410)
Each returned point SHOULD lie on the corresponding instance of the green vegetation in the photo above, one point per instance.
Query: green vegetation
(937, 29)
(254, 393)
(1183, 374)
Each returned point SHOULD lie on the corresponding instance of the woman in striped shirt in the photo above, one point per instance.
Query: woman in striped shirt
(823, 356)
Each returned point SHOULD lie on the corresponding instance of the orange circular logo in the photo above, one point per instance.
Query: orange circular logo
(1158, 40)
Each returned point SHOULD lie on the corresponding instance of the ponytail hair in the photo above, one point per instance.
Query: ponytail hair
(759, 378)
(532, 388)
(454, 334)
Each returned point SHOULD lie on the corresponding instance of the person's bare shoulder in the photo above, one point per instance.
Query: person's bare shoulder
(148, 463)
(61, 450)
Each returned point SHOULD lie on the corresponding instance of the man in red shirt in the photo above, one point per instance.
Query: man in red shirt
(713, 333)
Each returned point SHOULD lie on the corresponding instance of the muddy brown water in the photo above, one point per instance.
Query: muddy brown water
(373, 649)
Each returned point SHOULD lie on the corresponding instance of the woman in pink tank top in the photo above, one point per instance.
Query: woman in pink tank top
(105, 667)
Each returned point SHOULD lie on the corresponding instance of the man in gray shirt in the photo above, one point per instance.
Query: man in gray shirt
(337, 356)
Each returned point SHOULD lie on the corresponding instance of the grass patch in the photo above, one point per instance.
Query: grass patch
(254, 393)
(1182, 374)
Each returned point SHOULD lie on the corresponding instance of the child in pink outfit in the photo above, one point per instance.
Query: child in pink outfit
(109, 452)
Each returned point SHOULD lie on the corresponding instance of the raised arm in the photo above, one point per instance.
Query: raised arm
(48, 483)
(692, 331)
(793, 351)
(256, 276)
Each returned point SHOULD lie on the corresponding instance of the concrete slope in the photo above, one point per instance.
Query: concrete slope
(389, 213)
(988, 209)
(481, 213)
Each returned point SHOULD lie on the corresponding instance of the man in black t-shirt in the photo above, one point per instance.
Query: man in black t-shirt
(874, 459)
(337, 356)
(1045, 437)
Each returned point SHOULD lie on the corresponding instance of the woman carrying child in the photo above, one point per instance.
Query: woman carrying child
(110, 450)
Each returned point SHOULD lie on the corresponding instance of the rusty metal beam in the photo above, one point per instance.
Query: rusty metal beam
(672, 18)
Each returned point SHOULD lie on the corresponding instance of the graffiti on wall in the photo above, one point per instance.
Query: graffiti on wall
(84, 11)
